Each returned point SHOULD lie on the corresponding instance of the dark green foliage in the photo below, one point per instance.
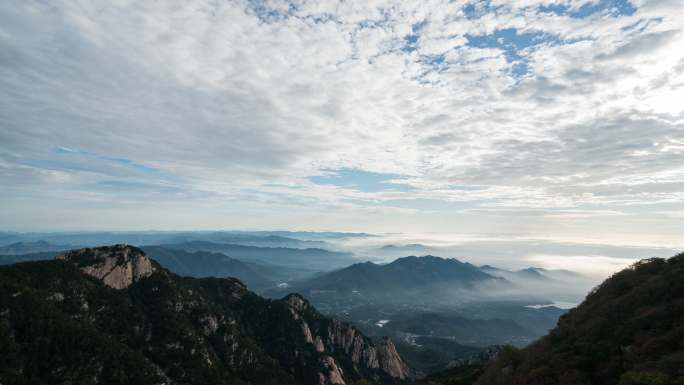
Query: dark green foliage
(466, 330)
(628, 331)
(59, 326)
(433, 354)
(465, 375)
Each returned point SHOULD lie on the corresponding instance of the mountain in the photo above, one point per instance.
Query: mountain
(9, 237)
(434, 306)
(257, 276)
(111, 315)
(530, 273)
(311, 259)
(628, 331)
(396, 251)
(30, 247)
(404, 280)
(9, 259)
(541, 286)
(201, 264)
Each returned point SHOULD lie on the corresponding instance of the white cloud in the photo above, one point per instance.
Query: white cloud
(239, 102)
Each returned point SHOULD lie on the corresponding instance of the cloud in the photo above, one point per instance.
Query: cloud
(536, 105)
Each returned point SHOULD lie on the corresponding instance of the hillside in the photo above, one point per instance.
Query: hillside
(628, 331)
(111, 315)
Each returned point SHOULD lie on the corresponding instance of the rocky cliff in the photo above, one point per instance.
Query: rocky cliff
(117, 266)
(334, 336)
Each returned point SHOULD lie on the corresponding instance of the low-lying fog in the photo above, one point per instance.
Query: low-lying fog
(593, 262)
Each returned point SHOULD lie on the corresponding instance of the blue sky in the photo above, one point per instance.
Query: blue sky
(554, 118)
(360, 180)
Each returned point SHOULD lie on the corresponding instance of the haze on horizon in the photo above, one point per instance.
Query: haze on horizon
(542, 119)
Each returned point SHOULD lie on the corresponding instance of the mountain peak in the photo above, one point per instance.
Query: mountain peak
(296, 302)
(117, 266)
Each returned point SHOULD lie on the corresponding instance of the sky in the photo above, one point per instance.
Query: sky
(552, 119)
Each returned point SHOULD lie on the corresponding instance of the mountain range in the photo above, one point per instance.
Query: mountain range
(201, 264)
(31, 247)
(259, 267)
(309, 259)
(296, 239)
(111, 315)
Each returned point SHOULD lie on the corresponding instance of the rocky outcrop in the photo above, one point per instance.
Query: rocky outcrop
(383, 355)
(340, 337)
(390, 361)
(117, 266)
(334, 376)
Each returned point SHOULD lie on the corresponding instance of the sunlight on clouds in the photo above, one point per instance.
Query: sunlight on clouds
(565, 109)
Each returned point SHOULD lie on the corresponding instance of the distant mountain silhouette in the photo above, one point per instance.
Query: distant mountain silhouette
(403, 280)
(29, 247)
(207, 264)
(313, 259)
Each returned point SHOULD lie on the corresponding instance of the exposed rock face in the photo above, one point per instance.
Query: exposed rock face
(334, 375)
(390, 361)
(117, 266)
(340, 337)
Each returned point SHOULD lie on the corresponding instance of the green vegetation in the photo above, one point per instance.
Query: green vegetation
(465, 375)
(628, 331)
(60, 326)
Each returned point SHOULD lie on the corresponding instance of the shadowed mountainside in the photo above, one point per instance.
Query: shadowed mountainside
(111, 315)
(628, 331)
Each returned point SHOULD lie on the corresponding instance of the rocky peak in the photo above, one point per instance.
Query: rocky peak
(296, 302)
(117, 266)
(334, 376)
(390, 361)
(382, 356)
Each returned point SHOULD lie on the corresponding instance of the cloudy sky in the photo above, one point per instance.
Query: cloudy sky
(557, 119)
